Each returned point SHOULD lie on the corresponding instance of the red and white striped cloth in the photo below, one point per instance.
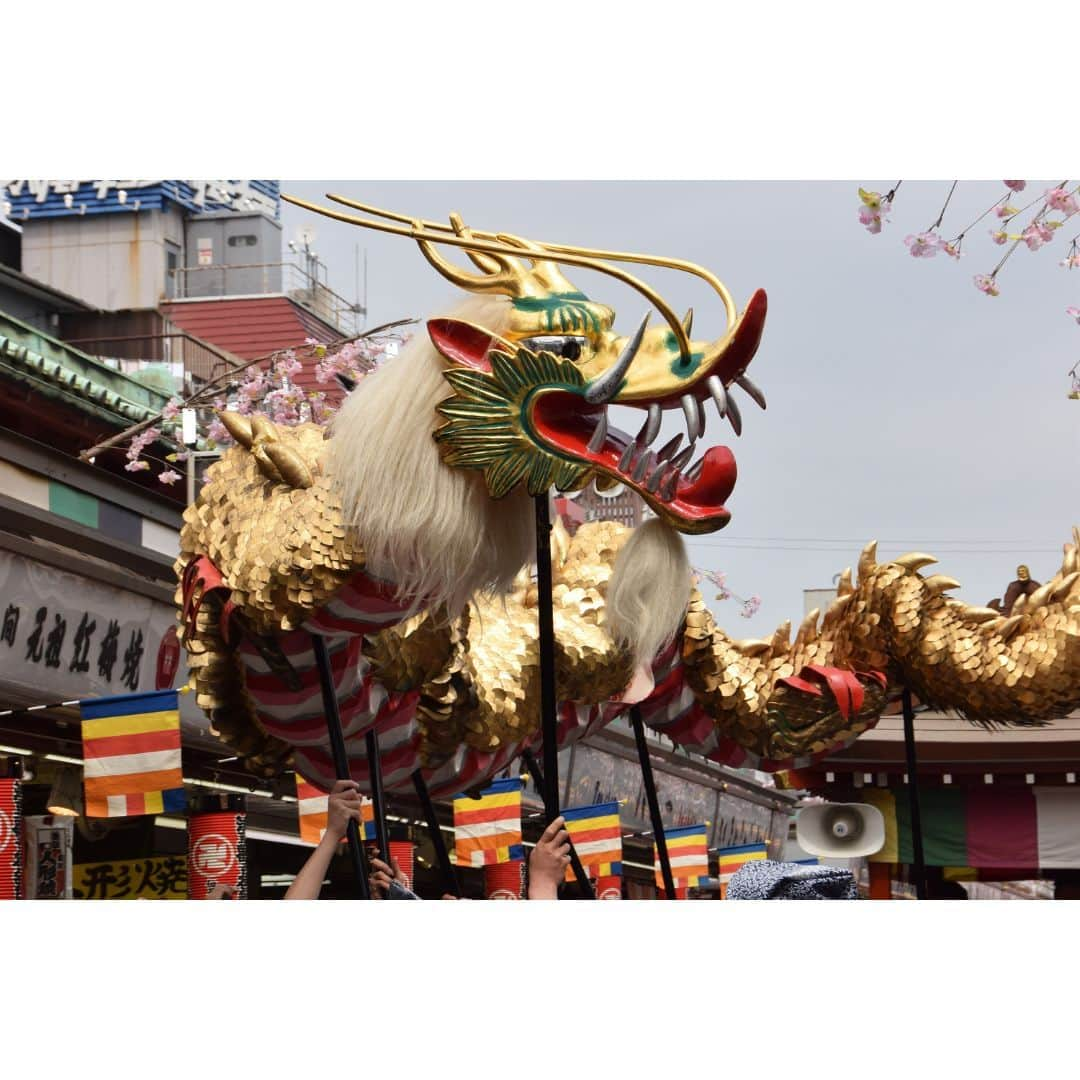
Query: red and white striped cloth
(366, 605)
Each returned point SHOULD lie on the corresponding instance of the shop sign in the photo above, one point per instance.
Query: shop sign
(65, 637)
(55, 198)
(48, 856)
(163, 877)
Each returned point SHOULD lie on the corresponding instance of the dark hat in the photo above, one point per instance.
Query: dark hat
(764, 879)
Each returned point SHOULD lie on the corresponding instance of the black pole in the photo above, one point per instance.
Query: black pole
(654, 805)
(341, 757)
(451, 884)
(548, 720)
(575, 862)
(378, 799)
(919, 866)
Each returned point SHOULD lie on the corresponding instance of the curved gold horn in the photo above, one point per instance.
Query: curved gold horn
(569, 249)
(417, 232)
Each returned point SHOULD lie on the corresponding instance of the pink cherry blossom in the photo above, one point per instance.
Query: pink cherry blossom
(1005, 210)
(1060, 199)
(1037, 234)
(1015, 185)
(985, 283)
(952, 250)
(870, 218)
(750, 607)
(172, 409)
(169, 476)
(924, 245)
(218, 432)
(1073, 313)
(1071, 261)
(137, 466)
(999, 236)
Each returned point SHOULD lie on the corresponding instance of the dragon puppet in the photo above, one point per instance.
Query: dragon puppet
(404, 532)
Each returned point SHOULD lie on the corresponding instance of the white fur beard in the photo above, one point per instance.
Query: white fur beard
(649, 590)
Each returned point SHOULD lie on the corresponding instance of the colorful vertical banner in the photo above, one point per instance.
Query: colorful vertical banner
(131, 754)
(984, 826)
(504, 880)
(597, 838)
(488, 829)
(313, 807)
(49, 843)
(217, 853)
(11, 842)
(688, 853)
(729, 860)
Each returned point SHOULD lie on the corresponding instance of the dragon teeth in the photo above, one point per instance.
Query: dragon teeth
(596, 443)
(642, 467)
(667, 489)
(734, 415)
(669, 448)
(719, 394)
(681, 459)
(654, 480)
(695, 470)
(752, 390)
(651, 428)
(627, 457)
(695, 417)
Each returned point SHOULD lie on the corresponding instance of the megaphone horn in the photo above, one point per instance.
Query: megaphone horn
(840, 830)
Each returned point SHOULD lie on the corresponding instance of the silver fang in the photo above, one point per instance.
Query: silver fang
(596, 443)
(627, 457)
(667, 491)
(752, 390)
(604, 388)
(719, 394)
(734, 415)
(654, 480)
(669, 448)
(695, 420)
(681, 459)
(651, 428)
(642, 466)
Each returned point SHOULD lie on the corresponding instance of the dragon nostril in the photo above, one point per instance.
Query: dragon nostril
(571, 349)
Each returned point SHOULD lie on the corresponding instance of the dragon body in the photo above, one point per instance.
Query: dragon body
(402, 536)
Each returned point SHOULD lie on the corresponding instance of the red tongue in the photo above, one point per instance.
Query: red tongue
(715, 482)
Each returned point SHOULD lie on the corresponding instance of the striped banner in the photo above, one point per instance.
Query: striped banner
(313, 806)
(688, 853)
(11, 844)
(731, 858)
(488, 830)
(131, 754)
(597, 838)
(984, 826)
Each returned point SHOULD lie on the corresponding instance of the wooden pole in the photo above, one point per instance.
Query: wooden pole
(341, 758)
(654, 803)
(919, 865)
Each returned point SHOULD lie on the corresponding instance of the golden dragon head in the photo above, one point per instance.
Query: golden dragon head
(531, 402)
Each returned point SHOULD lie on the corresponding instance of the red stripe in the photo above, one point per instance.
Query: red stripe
(587, 836)
(1002, 827)
(136, 805)
(341, 658)
(145, 743)
(493, 813)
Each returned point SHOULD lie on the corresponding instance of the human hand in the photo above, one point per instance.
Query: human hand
(343, 806)
(381, 876)
(221, 892)
(548, 862)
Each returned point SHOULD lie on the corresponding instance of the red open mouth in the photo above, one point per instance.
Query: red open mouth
(689, 493)
(694, 495)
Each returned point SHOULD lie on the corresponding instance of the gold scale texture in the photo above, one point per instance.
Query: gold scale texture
(283, 552)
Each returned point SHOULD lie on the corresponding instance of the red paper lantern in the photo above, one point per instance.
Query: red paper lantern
(504, 881)
(11, 842)
(217, 853)
(401, 852)
(609, 888)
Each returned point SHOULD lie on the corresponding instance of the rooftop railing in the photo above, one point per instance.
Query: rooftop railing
(267, 279)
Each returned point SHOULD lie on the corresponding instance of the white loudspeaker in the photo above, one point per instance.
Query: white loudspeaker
(840, 830)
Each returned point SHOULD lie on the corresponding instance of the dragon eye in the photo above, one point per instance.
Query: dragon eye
(569, 348)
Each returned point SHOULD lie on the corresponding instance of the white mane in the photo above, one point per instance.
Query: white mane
(432, 530)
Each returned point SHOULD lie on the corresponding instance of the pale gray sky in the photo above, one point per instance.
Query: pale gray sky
(904, 405)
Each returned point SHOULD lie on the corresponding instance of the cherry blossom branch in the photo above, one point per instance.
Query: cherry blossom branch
(205, 394)
(937, 223)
